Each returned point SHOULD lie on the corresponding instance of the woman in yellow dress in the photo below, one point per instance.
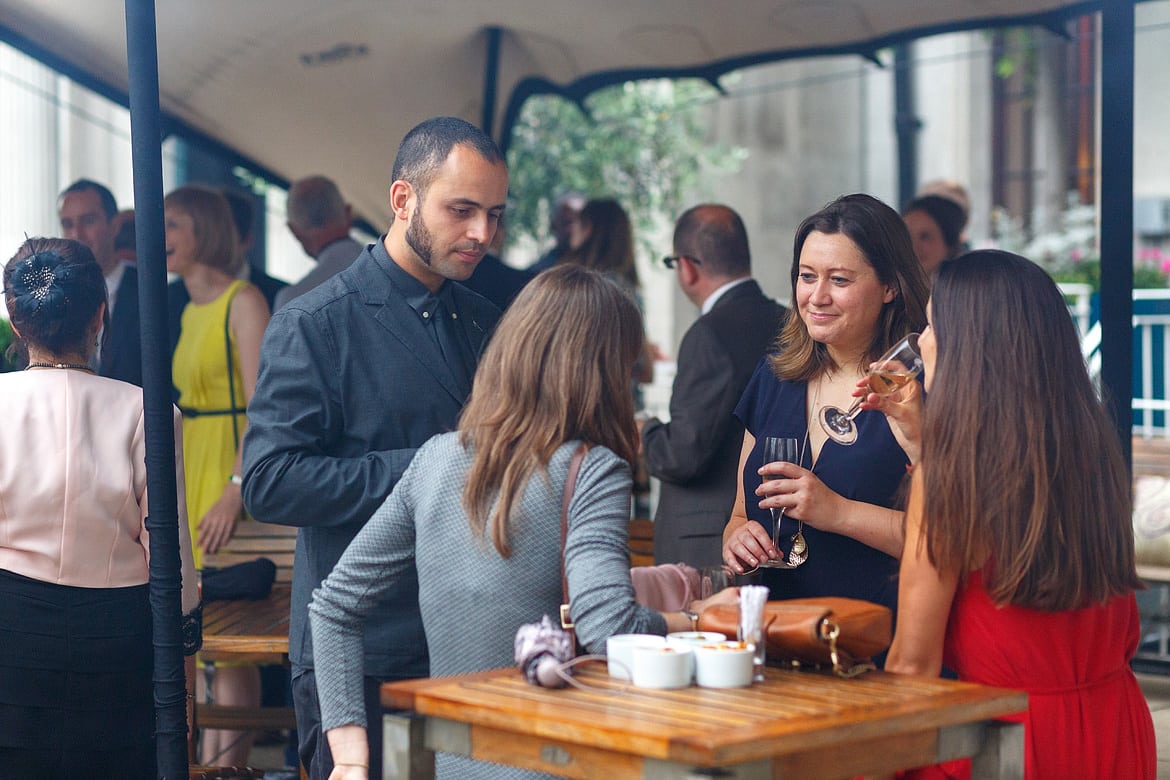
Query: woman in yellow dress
(214, 369)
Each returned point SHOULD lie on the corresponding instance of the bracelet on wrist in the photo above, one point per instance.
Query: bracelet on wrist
(236, 480)
(350, 763)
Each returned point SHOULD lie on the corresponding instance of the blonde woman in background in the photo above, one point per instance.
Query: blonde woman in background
(214, 370)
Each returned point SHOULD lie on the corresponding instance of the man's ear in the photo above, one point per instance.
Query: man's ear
(401, 195)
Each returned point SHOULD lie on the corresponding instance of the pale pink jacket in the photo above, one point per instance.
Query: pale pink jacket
(73, 482)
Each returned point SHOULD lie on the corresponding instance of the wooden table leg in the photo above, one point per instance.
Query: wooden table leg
(404, 752)
(1002, 752)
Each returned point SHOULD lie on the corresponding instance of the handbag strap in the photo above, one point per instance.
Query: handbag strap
(570, 484)
(227, 342)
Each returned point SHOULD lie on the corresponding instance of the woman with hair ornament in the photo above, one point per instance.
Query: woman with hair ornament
(76, 691)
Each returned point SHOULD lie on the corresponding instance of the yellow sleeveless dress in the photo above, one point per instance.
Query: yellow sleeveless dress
(200, 373)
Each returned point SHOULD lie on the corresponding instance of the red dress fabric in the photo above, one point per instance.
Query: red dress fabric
(1087, 716)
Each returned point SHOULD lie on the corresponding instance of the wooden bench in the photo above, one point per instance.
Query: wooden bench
(243, 630)
(253, 540)
(641, 542)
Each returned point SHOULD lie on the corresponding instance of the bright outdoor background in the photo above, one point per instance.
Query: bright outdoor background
(1010, 114)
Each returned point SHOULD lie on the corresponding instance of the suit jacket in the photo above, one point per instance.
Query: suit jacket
(696, 454)
(498, 282)
(122, 350)
(335, 257)
(351, 384)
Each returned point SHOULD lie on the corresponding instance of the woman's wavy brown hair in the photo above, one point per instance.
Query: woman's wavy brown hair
(881, 235)
(558, 369)
(1023, 470)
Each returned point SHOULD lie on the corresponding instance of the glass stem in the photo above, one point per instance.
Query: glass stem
(854, 410)
(776, 527)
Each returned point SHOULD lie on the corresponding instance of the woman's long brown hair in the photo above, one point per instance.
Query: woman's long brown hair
(609, 248)
(557, 369)
(1022, 468)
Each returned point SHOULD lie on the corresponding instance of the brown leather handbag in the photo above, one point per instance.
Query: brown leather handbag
(838, 633)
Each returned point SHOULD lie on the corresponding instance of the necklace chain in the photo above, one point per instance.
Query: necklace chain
(78, 366)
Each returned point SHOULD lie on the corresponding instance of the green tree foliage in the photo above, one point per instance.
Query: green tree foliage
(642, 143)
(5, 342)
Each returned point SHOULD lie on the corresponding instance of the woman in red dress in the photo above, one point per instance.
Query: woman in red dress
(1018, 566)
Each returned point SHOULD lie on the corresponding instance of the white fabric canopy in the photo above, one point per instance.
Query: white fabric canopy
(331, 86)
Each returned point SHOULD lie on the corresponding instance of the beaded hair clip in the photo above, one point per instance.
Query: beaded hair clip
(37, 276)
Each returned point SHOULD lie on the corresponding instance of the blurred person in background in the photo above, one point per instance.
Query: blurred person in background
(936, 230)
(87, 210)
(214, 370)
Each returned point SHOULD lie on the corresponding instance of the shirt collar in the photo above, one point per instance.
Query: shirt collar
(113, 279)
(714, 297)
(416, 294)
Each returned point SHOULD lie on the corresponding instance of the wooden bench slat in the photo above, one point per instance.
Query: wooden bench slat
(219, 716)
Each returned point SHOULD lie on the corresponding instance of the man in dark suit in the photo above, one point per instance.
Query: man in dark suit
(87, 210)
(355, 375)
(696, 454)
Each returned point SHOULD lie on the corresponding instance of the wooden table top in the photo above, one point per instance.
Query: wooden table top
(242, 629)
(790, 713)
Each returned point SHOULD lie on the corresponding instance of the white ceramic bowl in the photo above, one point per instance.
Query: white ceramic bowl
(723, 664)
(666, 666)
(696, 637)
(691, 639)
(620, 648)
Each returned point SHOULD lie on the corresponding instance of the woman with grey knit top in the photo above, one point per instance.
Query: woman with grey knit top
(477, 513)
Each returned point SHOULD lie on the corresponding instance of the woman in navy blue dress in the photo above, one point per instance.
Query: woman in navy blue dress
(857, 289)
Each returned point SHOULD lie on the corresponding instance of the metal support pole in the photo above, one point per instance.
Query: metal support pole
(906, 123)
(170, 698)
(1117, 57)
(491, 80)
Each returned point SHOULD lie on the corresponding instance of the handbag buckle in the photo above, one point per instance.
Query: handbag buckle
(829, 633)
(566, 621)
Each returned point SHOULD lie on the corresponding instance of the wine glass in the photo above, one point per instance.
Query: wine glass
(892, 371)
(785, 449)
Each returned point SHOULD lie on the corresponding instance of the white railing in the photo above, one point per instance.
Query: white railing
(1151, 400)
(1078, 296)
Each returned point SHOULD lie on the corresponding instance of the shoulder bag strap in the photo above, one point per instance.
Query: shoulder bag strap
(570, 484)
(227, 342)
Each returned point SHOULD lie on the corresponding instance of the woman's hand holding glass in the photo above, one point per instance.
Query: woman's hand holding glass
(800, 494)
(903, 411)
(896, 369)
(749, 544)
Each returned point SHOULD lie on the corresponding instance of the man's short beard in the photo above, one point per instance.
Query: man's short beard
(418, 237)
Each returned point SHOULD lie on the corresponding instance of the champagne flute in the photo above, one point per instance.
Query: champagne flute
(784, 449)
(892, 371)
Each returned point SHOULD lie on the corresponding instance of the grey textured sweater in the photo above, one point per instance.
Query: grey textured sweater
(472, 600)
